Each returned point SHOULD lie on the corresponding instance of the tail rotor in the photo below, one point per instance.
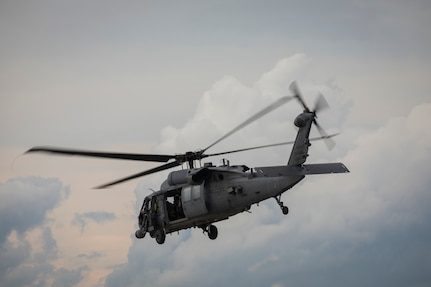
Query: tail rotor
(320, 105)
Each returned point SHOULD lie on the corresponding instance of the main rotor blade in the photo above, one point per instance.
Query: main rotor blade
(126, 156)
(250, 148)
(260, 114)
(147, 172)
(270, 145)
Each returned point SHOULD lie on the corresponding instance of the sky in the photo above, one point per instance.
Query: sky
(173, 76)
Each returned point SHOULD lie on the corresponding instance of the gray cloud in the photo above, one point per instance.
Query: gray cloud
(99, 217)
(49, 247)
(23, 208)
(68, 278)
(12, 255)
(23, 266)
(26, 201)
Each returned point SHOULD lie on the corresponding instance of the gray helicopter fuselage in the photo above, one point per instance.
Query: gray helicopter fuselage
(226, 191)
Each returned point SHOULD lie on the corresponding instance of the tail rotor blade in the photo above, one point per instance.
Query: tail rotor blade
(330, 143)
(294, 88)
(320, 104)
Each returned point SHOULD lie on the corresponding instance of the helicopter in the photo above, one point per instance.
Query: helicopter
(200, 195)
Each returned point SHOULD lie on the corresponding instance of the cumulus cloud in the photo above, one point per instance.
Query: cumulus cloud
(376, 216)
(26, 201)
(229, 102)
(24, 207)
(99, 217)
(368, 227)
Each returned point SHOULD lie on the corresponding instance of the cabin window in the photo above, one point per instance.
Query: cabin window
(186, 194)
(192, 192)
(196, 192)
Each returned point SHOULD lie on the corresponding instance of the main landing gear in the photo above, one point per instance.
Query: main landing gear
(284, 208)
(140, 233)
(211, 230)
(159, 234)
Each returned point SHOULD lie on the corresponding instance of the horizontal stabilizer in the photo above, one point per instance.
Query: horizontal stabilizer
(322, 168)
(301, 170)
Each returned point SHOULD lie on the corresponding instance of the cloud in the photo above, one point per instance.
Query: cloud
(22, 265)
(96, 216)
(65, 277)
(229, 102)
(91, 255)
(368, 227)
(27, 245)
(256, 266)
(379, 216)
(49, 246)
(26, 201)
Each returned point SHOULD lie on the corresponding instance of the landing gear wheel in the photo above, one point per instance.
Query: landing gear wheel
(140, 234)
(284, 208)
(160, 236)
(212, 232)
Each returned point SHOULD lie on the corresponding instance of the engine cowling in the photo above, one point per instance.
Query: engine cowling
(189, 176)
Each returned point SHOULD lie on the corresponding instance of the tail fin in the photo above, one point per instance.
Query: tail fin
(303, 122)
(299, 152)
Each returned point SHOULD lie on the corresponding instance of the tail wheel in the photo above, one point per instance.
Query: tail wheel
(284, 208)
(160, 236)
(212, 232)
